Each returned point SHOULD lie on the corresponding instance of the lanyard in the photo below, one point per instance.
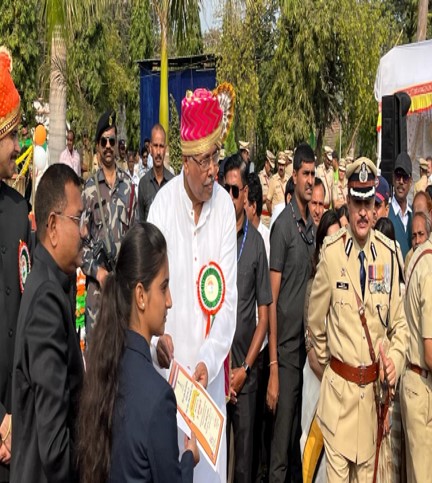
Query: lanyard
(243, 241)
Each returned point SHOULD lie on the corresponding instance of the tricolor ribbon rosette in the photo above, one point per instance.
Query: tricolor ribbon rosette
(211, 291)
(24, 263)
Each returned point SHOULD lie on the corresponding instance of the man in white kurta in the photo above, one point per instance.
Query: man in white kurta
(198, 232)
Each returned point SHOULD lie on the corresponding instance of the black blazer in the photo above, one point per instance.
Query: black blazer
(47, 377)
(14, 226)
(144, 436)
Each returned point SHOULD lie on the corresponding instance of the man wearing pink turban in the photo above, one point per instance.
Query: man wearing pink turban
(196, 216)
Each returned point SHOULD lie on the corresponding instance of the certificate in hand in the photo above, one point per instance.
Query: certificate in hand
(199, 411)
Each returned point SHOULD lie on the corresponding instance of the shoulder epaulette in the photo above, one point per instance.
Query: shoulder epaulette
(390, 244)
(329, 240)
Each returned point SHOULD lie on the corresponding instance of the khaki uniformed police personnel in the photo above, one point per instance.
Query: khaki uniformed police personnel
(326, 173)
(422, 183)
(264, 177)
(340, 188)
(276, 191)
(416, 384)
(358, 274)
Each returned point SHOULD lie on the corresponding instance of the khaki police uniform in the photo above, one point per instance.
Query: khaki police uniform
(416, 384)
(339, 193)
(276, 191)
(327, 177)
(346, 410)
(265, 183)
(421, 184)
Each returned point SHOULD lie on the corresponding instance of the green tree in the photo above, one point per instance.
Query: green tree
(175, 152)
(237, 61)
(141, 46)
(20, 32)
(326, 68)
(61, 18)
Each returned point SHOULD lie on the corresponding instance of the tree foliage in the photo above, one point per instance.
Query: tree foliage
(326, 68)
(20, 32)
(175, 152)
(236, 62)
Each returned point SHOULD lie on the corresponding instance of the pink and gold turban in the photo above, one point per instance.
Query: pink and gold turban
(206, 118)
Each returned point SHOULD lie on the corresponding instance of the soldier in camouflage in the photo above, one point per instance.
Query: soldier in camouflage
(119, 203)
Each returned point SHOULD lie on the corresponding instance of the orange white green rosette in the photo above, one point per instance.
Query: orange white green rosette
(24, 263)
(211, 291)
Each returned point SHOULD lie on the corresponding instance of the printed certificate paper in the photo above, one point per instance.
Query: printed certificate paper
(199, 411)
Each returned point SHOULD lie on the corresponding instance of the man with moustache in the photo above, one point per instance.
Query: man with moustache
(197, 218)
(355, 301)
(292, 241)
(14, 243)
(156, 177)
(400, 212)
(316, 204)
(48, 366)
(253, 287)
(70, 155)
(109, 211)
(276, 191)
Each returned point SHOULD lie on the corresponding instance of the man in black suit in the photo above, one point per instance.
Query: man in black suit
(48, 366)
(14, 242)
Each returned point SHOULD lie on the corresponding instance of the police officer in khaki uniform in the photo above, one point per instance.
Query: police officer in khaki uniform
(422, 183)
(326, 173)
(416, 384)
(276, 191)
(289, 156)
(264, 177)
(340, 188)
(357, 278)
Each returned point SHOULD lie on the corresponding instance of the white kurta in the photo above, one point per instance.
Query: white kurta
(190, 247)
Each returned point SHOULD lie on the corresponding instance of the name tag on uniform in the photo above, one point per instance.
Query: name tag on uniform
(342, 285)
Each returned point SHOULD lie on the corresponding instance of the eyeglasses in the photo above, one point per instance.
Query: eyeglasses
(402, 175)
(205, 163)
(235, 190)
(79, 220)
(104, 141)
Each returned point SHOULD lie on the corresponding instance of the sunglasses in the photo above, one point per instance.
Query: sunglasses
(402, 175)
(104, 141)
(234, 189)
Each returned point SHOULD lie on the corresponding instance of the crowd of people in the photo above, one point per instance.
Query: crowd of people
(318, 340)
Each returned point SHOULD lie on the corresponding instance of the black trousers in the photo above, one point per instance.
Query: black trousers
(241, 416)
(285, 458)
(263, 422)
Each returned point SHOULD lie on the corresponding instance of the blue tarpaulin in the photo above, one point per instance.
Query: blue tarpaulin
(179, 81)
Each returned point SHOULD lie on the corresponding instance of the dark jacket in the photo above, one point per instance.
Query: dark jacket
(14, 226)
(47, 377)
(144, 435)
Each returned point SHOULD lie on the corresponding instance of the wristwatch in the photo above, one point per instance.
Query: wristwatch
(246, 368)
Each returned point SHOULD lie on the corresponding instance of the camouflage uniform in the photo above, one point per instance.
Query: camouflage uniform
(119, 207)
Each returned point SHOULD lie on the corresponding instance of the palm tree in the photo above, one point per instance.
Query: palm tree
(173, 16)
(60, 17)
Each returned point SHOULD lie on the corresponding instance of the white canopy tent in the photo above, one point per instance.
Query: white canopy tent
(408, 68)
